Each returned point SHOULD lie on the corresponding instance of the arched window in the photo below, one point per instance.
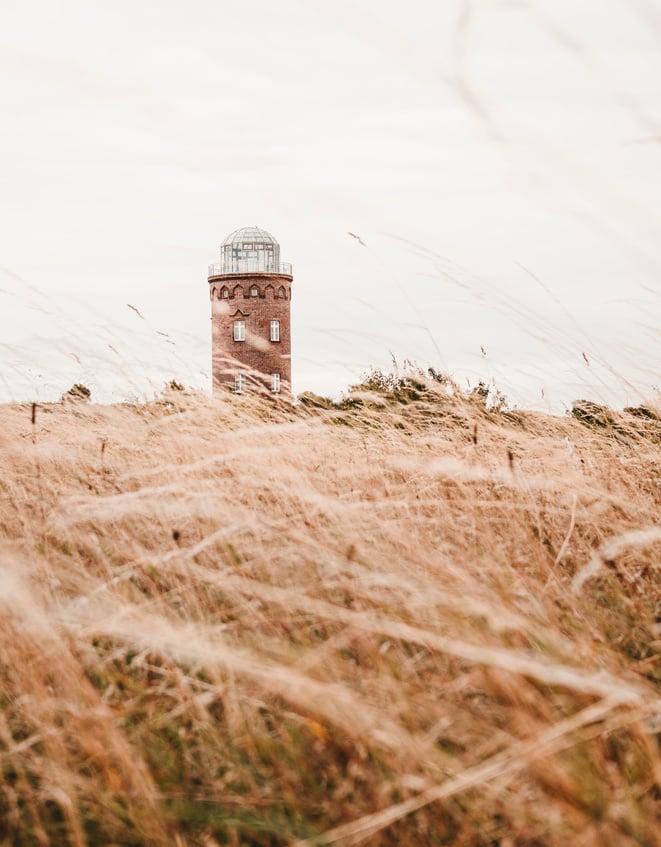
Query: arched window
(281, 292)
(224, 292)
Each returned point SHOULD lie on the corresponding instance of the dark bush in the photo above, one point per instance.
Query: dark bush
(77, 393)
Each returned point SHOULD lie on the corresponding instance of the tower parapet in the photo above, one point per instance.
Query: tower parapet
(250, 291)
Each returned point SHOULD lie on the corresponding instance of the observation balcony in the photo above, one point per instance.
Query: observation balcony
(249, 266)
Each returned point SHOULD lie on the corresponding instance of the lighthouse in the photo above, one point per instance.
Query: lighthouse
(250, 291)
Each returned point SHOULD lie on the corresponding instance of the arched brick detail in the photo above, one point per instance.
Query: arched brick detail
(258, 357)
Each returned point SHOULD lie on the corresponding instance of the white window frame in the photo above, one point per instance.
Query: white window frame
(275, 330)
(239, 382)
(275, 383)
(239, 330)
(254, 291)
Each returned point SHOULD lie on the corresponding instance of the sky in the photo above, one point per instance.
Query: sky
(499, 159)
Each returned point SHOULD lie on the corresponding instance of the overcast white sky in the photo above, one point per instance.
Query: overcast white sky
(501, 160)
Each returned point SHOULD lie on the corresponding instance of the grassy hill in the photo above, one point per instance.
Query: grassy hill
(406, 621)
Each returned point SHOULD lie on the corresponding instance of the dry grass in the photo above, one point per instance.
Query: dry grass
(404, 623)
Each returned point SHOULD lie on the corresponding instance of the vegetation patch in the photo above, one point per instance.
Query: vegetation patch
(414, 616)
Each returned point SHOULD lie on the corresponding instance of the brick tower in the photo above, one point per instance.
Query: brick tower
(250, 292)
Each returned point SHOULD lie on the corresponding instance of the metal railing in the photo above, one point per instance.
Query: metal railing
(247, 266)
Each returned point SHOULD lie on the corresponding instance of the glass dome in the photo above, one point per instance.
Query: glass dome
(250, 250)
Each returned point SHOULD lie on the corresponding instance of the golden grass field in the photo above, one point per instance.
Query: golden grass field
(408, 621)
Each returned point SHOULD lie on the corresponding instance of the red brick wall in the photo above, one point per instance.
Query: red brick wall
(258, 357)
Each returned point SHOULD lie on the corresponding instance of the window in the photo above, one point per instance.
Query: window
(239, 382)
(281, 293)
(254, 292)
(239, 330)
(275, 383)
(225, 293)
(275, 330)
